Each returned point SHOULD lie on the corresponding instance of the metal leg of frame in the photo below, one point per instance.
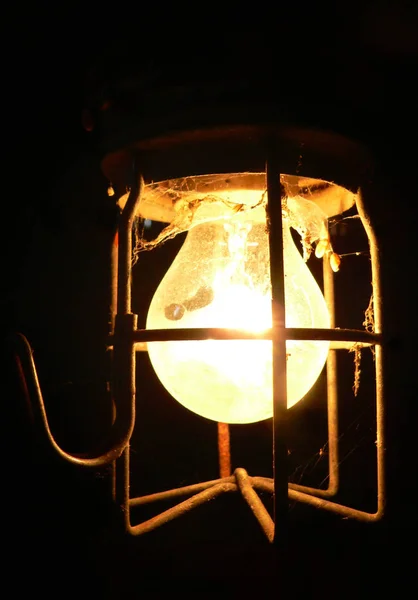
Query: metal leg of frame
(245, 485)
(178, 492)
(380, 390)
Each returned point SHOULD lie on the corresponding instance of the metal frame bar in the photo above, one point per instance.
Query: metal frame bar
(275, 195)
(332, 401)
(349, 337)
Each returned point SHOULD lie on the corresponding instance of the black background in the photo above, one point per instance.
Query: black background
(357, 65)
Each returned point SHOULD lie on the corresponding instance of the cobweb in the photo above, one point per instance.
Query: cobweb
(303, 215)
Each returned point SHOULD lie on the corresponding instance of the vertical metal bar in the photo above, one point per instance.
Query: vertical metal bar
(379, 358)
(224, 450)
(113, 490)
(123, 488)
(113, 311)
(114, 281)
(123, 388)
(380, 431)
(332, 385)
(125, 244)
(124, 362)
(275, 194)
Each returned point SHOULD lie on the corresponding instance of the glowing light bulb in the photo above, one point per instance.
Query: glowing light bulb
(221, 278)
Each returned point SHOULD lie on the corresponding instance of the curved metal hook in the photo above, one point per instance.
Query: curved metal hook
(125, 402)
(121, 429)
(125, 405)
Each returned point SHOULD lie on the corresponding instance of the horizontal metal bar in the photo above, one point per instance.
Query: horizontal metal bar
(266, 485)
(142, 346)
(335, 345)
(175, 493)
(182, 508)
(251, 497)
(290, 333)
(344, 511)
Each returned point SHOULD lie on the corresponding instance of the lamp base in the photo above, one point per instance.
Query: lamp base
(240, 481)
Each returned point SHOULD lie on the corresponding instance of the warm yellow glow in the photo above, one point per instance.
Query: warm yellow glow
(221, 278)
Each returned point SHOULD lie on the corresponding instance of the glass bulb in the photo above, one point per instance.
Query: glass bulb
(221, 278)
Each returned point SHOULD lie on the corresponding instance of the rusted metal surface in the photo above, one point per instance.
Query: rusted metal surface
(224, 450)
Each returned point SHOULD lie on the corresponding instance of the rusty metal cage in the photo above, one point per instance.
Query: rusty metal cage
(126, 339)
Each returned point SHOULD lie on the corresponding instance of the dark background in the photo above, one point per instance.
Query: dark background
(355, 67)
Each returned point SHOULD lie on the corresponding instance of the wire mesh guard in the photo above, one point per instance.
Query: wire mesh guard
(325, 200)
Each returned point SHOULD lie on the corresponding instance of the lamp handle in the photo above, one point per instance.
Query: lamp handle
(121, 430)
